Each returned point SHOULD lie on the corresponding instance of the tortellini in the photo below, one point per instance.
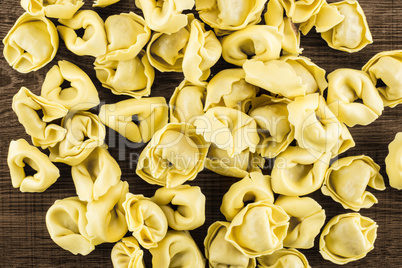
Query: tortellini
(347, 85)
(94, 176)
(393, 162)
(228, 129)
(20, 154)
(306, 220)
(347, 179)
(127, 254)
(259, 42)
(187, 103)
(145, 219)
(353, 33)
(151, 114)
(301, 11)
(190, 206)
(66, 223)
(175, 154)
(85, 132)
(82, 93)
(228, 88)
(253, 187)
(42, 131)
(60, 9)
(165, 16)
(385, 70)
(177, 249)
(258, 229)
(31, 43)
(347, 237)
(93, 42)
(104, 3)
(227, 16)
(317, 129)
(297, 171)
(220, 253)
(286, 258)
(106, 217)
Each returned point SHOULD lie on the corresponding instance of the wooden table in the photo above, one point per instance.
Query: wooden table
(24, 239)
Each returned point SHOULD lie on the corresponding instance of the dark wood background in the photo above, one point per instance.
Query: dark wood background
(24, 240)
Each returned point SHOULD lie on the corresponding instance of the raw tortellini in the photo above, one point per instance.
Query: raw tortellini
(145, 219)
(306, 220)
(347, 85)
(151, 114)
(301, 11)
(253, 187)
(127, 254)
(82, 93)
(347, 179)
(42, 131)
(66, 223)
(221, 253)
(286, 258)
(386, 67)
(393, 162)
(60, 9)
(20, 154)
(297, 172)
(190, 206)
(93, 42)
(347, 237)
(175, 154)
(353, 33)
(104, 3)
(177, 249)
(31, 43)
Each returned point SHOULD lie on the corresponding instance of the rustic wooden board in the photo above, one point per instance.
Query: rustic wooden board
(24, 240)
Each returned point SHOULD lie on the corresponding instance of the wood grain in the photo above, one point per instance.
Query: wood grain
(24, 240)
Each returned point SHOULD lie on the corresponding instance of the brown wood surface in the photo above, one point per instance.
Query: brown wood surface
(24, 240)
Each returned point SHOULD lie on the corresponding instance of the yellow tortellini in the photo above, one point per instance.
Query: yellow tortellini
(106, 217)
(175, 154)
(190, 203)
(301, 11)
(177, 249)
(187, 103)
(93, 42)
(258, 229)
(145, 219)
(317, 129)
(353, 33)
(20, 154)
(66, 223)
(82, 93)
(283, 258)
(60, 9)
(31, 43)
(151, 113)
(253, 187)
(228, 129)
(259, 42)
(42, 131)
(94, 176)
(228, 88)
(227, 16)
(127, 254)
(393, 162)
(221, 253)
(165, 16)
(306, 220)
(85, 132)
(347, 237)
(133, 77)
(127, 34)
(297, 171)
(104, 3)
(347, 85)
(347, 179)
(387, 67)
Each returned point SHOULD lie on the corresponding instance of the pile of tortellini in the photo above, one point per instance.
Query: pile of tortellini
(271, 104)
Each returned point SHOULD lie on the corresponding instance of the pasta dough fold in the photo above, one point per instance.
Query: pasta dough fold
(104, 3)
(127, 254)
(301, 11)
(59, 9)
(283, 258)
(393, 162)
